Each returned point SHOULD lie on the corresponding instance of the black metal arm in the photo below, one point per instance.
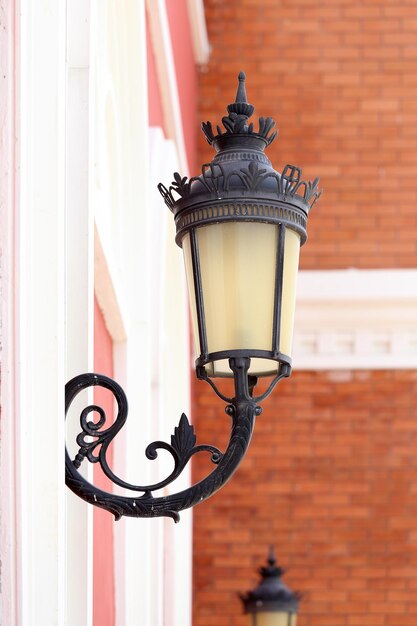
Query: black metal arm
(93, 444)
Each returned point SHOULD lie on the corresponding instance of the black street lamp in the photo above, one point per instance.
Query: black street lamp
(271, 603)
(240, 224)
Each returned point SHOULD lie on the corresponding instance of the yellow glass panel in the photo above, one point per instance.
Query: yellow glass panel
(238, 263)
(275, 619)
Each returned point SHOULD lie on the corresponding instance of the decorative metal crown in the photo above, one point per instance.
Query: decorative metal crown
(240, 182)
(236, 122)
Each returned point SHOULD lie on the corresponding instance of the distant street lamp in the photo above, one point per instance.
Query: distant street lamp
(271, 603)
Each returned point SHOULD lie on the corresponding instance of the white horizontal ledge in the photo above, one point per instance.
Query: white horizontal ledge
(354, 284)
(356, 319)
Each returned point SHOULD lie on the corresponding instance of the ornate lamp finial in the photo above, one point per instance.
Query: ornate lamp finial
(272, 559)
(272, 569)
(235, 122)
(241, 90)
(239, 110)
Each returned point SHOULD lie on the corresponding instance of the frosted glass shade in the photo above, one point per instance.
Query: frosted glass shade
(272, 619)
(245, 292)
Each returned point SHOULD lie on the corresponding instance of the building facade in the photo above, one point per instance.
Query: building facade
(94, 113)
(101, 101)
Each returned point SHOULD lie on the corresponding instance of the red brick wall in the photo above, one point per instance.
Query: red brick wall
(334, 455)
(340, 79)
(331, 480)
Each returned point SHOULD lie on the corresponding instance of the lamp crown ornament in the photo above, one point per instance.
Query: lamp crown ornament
(240, 180)
(240, 224)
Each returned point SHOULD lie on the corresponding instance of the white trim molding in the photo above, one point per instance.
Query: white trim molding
(170, 383)
(356, 319)
(198, 31)
(109, 288)
(167, 77)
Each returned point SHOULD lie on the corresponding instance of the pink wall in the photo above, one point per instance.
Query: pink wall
(103, 549)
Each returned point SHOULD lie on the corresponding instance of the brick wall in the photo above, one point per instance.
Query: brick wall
(331, 480)
(340, 79)
(334, 453)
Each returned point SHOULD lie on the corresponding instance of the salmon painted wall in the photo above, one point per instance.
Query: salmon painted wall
(103, 547)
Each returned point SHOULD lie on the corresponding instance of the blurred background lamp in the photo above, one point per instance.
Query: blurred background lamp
(271, 603)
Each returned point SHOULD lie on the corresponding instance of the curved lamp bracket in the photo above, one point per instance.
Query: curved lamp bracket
(94, 440)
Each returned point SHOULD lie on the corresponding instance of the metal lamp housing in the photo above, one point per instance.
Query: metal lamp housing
(241, 224)
(271, 603)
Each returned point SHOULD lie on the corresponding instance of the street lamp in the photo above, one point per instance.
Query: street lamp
(240, 224)
(271, 603)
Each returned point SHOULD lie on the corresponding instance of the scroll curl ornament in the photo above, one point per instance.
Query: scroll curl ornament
(94, 441)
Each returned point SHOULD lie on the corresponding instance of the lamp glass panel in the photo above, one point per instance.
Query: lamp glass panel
(238, 264)
(271, 618)
(237, 261)
(289, 286)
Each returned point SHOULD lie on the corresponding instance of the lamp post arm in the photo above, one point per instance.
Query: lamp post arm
(243, 409)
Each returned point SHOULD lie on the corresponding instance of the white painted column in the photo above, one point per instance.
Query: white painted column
(39, 308)
(138, 543)
(8, 387)
(79, 300)
(123, 278)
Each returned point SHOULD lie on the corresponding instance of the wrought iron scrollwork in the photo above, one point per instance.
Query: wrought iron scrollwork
(94, 440)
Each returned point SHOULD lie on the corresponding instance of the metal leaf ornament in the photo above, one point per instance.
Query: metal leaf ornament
(183, 440)
(252, 175)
